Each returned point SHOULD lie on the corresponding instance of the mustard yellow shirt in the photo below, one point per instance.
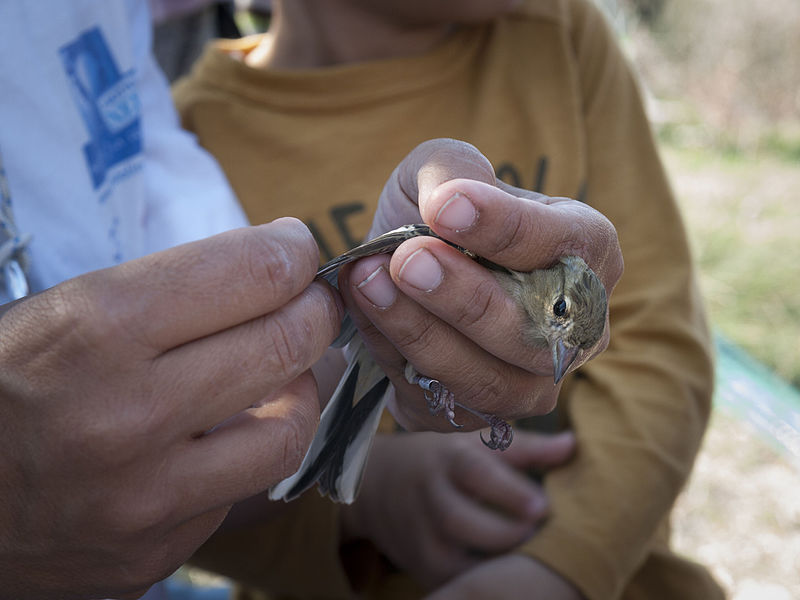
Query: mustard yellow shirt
(547, 96)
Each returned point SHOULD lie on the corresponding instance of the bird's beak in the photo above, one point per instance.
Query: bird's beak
(563, 357)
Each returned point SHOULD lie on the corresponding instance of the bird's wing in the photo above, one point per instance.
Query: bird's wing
(338, 453)
(383, 244)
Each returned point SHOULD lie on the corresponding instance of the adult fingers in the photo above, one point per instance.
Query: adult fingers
(522, 230)
(222, 374)
(185, 293)
(250, 452)
(406, 332)
(467, 296)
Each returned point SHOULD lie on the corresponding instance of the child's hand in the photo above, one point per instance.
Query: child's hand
(438, 504)
(510, 577)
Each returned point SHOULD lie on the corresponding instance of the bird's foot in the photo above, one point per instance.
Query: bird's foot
(501, 435)
(440, 398)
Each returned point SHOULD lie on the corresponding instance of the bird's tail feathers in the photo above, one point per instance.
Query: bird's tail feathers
(338, 454)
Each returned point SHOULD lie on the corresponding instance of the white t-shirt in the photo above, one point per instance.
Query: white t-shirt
(96, 165)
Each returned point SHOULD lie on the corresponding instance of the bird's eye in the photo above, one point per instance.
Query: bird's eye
(560, 307)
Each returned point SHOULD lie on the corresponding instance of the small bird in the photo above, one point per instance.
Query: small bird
(565, 309)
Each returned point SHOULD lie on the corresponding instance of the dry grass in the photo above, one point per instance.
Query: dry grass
(740, 514)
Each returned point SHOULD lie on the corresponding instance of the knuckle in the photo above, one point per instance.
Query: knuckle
(478, 304)
(460, 445)
(116, 440)
(448, 521)
(490, 385)
(144, 558)
(325, 316)
(149, 514)
(514, 233)
(102, 439)
(418, 335)
(289, 351)
(37, 330)
(612, 262)
(134, 516)
(432, 494)
(593, 237)
(78, 316)
(576, 239)
(540, 401)
(297, 338)
(281, 261)
(431, 553)
(297, 431)
(268, 263)
(85, 316)
(282, 337)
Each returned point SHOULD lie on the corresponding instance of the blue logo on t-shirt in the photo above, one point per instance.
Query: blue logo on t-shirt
(107, 100)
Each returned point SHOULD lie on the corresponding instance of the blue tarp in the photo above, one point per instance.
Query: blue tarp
(750, 391)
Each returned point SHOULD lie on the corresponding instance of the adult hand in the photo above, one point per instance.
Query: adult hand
(437, 505)
(140, 401)
(432, 306)
(511, 577)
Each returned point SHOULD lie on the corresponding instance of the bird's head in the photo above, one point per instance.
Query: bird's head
(566, 305)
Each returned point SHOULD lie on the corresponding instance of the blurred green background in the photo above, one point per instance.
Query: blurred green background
(723, 84)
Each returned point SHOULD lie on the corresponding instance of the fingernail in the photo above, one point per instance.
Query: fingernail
(379, 288)
(458, 213)
(422, 271)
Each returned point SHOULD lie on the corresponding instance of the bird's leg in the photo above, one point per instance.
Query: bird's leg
(441, 398)
(438, 397)
(502, 433)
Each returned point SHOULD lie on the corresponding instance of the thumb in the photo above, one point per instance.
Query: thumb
(437, 161)
(422, 171)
